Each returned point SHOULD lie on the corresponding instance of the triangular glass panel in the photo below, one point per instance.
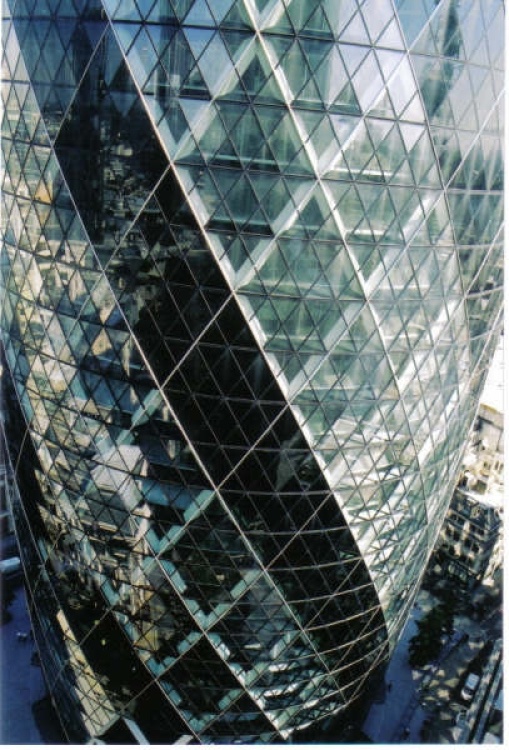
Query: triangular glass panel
(159, 13)
(254, 77)
(89, 8)
(317, 23)
(343, 99)
(66, 7)
(198, 39)
(161, 35)
(10, 49)
(319, 56)
(39, 32)
(21, 73)
(270, 92)
(142, 58)
(283, 138)
(178, 122)
(194, 85)
(391, 38)
(126, 10)
(237, 43)
(237, 17)
(226, 155)
(52, 51)
(21, 132)
(93, 31)
(261, 5)
(313, 216)
(356, 31)
(309, 95)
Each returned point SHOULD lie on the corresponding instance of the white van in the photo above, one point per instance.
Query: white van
(470, 687)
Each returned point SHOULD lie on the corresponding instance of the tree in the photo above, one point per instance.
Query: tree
(426, 644)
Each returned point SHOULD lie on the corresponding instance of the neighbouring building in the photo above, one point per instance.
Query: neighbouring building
(470, 536)
(251, 283)
(470, 545)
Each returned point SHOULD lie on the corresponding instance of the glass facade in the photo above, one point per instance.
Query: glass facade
(251, 283)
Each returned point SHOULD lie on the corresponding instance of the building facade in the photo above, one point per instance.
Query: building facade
(470, 544)
(470, 536)
(251, 284)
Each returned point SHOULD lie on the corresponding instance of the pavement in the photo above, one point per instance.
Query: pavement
(395, 715)
(26, 714)
(22, 683)
(418, 706)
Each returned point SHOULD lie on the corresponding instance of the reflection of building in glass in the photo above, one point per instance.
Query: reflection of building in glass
(6, 526)
(251, 284)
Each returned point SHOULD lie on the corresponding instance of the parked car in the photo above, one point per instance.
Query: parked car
(460, 717)
(10, 570)
(470, 686)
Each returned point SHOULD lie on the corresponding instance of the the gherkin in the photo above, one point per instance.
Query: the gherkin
(251, 280)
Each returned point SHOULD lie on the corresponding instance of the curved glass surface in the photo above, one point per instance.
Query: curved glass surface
(251, 283)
